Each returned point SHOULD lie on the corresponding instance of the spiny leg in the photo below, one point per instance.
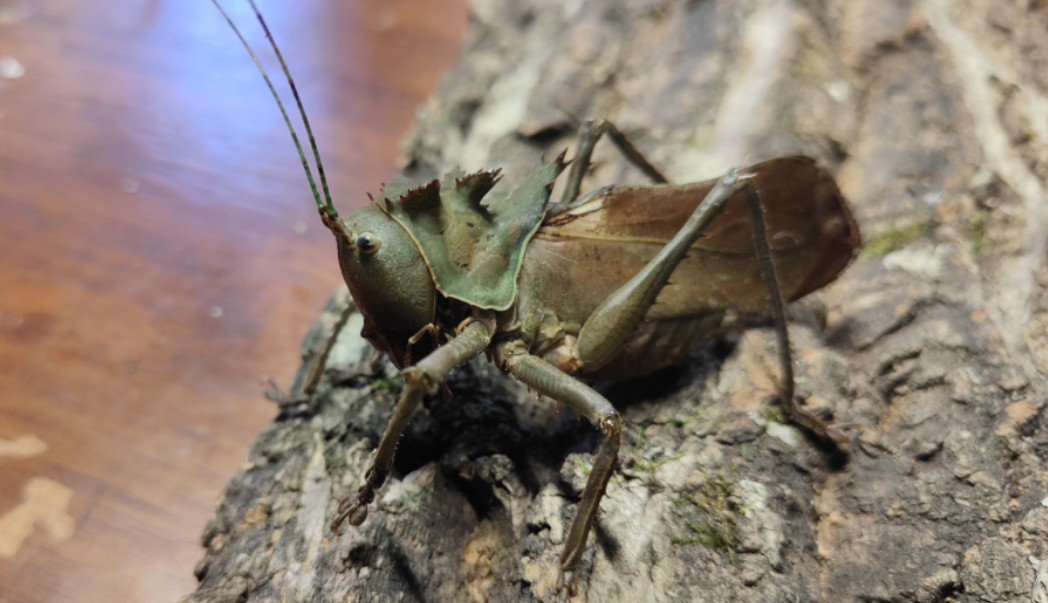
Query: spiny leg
(799, 415)
(424, 378)
(645, 287)
(552, 382)
(306, 382)
(589, 133)
(615, 320)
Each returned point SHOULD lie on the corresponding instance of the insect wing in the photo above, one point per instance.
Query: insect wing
(811, 231)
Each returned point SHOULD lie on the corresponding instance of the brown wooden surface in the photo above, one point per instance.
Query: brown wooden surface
(160, 256)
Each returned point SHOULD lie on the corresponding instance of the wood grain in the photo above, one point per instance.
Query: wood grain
(160, 256)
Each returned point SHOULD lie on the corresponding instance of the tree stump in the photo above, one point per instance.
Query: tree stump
(931, 350)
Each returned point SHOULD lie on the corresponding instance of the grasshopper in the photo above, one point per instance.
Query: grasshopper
(446, 270)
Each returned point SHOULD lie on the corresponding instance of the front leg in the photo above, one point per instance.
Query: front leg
(550, 381)
(425, 378)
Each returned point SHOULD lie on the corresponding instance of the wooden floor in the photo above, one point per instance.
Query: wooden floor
(160, 256)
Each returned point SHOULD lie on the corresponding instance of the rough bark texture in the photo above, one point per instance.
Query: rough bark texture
(931, 350)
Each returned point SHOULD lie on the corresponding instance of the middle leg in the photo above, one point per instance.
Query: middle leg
(550, 381)
(590, 132)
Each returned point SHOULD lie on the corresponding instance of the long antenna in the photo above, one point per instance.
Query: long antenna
(326, 207)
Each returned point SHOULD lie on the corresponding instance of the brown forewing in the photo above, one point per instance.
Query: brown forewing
(812, 235)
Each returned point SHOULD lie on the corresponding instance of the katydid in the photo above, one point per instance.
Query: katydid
(615, 284)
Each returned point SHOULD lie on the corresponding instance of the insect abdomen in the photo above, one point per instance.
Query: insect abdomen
(661, 344)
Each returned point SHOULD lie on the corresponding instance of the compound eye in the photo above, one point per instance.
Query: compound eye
(367, 243)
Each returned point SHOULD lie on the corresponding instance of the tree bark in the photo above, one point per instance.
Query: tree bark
(931, 350)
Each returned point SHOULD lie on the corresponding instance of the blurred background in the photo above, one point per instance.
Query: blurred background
(161, 256)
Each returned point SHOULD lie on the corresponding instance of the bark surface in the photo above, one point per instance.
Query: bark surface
(931, 350)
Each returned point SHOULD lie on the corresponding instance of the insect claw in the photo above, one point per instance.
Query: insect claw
(344, 506)
(838, 438)
(336, 524)
(353, 511)
(358, 514)
(566, 587)
(285, 400)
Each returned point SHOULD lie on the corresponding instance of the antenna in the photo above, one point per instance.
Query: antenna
(326, 208)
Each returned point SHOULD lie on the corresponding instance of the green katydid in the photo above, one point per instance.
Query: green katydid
(448, 269)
